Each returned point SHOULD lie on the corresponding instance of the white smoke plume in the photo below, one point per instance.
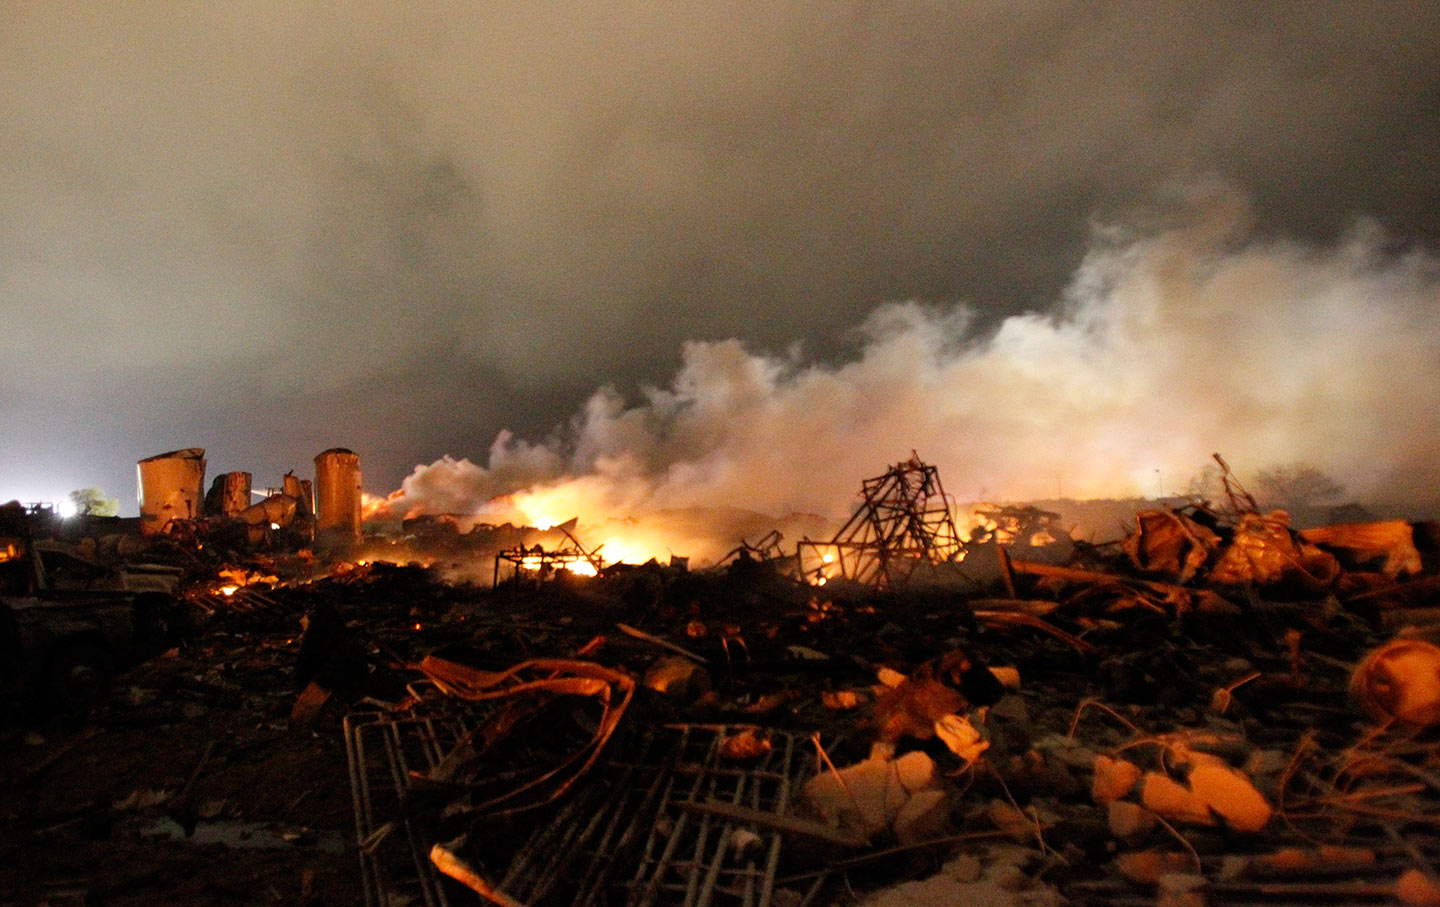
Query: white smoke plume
(1169, 343)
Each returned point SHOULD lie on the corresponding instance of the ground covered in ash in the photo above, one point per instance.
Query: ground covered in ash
(1087, 732)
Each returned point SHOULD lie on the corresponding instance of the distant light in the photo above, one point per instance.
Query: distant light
(274, 525)
(66, 509)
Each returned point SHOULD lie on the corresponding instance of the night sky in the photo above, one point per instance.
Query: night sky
(1050, 246)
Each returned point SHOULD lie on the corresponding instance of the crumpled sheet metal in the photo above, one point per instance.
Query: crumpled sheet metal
(1389, 542)
(1168, 543)
(554, 676)
(1264, 552)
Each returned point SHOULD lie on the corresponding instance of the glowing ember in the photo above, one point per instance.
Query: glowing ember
(233, 579)
(579, 567)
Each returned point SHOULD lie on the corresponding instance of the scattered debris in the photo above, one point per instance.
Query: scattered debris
(1400, 681)
(1215, 709)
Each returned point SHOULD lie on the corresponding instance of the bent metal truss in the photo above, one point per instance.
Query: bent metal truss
(902, 526)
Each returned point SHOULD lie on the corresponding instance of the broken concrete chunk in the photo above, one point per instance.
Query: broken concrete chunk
(889, 676)
(743, 842)
(923, 817)
(1129, 820)
(1114, 778)
(749, 743)
(1231, 796)
(871, 796)
(1147, 866)
(1009, 677)
(1067, 750)
(1169, 798)
(961, 737)
(677, 677)
(1212, 792)
(915, 771)
(1011, 820)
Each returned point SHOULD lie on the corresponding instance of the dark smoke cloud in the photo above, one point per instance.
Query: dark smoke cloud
(269, 228)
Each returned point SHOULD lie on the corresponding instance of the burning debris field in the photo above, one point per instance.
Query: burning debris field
(229, 702)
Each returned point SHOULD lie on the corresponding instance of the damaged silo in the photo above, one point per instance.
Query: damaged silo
(302, 490)
(229, 494)
(171, 488)
(338, 490)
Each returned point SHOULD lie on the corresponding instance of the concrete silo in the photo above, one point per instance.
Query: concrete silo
(338, 489)
(171, 488)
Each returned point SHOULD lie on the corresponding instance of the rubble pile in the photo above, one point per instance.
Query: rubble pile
(1216, 709)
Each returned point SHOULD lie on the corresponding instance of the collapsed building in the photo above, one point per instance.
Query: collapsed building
(1213, 708)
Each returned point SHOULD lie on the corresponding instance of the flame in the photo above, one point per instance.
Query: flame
(621, 550)
(373, 505)
(233, 579)
(579, 567)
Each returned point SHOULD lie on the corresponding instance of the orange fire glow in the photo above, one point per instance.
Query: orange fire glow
(233, 579)
(372, 505)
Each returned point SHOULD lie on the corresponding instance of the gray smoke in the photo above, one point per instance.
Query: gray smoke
(1187, 336)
